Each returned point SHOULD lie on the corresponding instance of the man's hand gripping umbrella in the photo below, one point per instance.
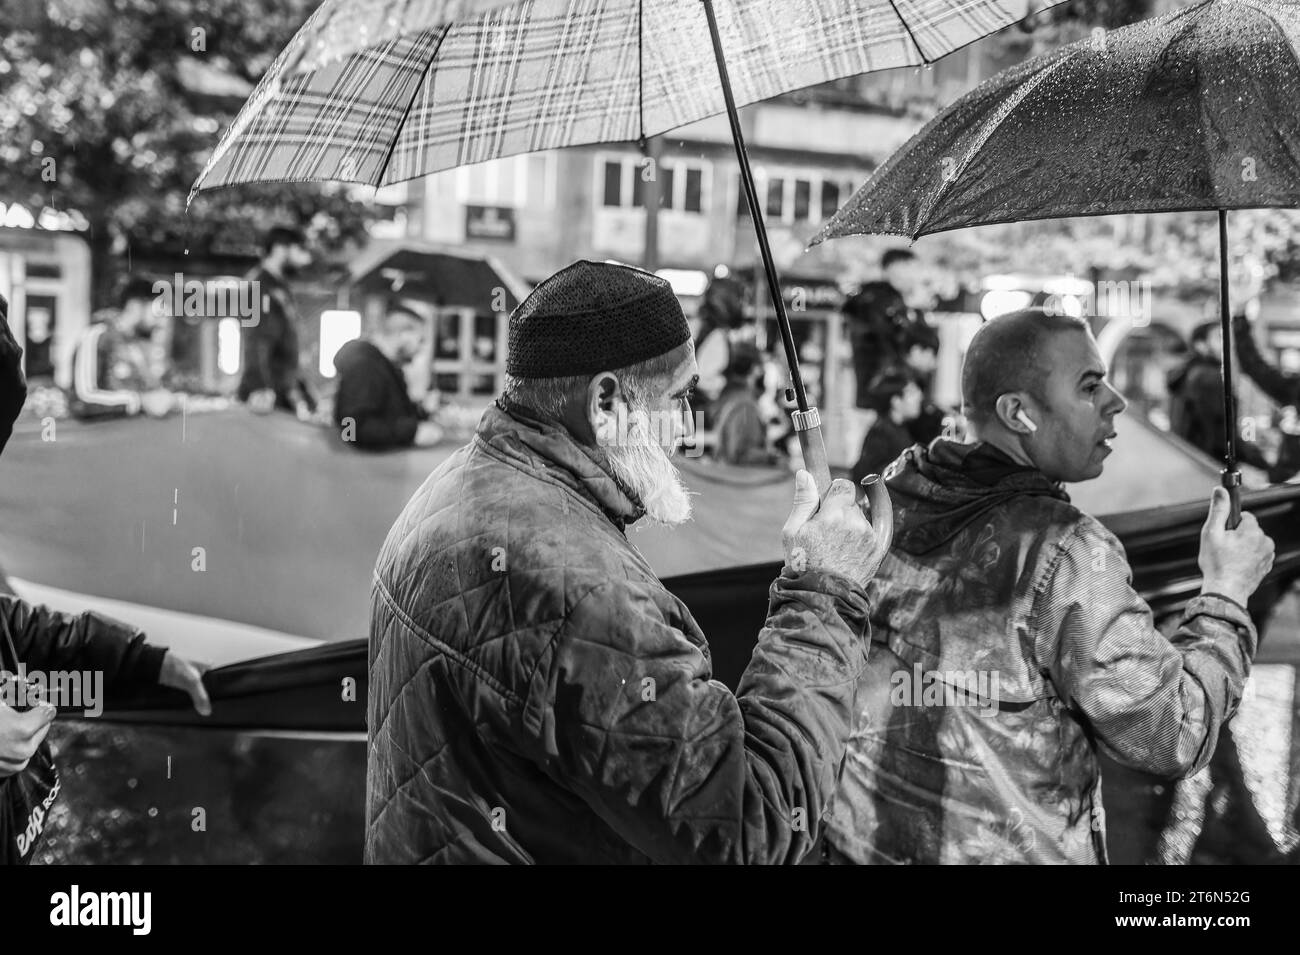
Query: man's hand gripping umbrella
(827, 533)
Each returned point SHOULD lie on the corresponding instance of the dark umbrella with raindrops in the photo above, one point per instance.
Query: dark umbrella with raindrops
(1196, 110)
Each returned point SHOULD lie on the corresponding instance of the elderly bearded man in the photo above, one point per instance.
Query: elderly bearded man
(536, 695)
(997, 586)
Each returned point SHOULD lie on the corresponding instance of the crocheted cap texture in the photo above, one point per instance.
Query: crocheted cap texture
(592, 317)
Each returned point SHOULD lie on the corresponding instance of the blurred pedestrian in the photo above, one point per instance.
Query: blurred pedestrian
(738, 420)
(1196, 412)
(721, 313)
(372, 406)
(1196, 392)
(884, 325)
(896, 398)
(270, 379)
(919, 347)
(119, 362)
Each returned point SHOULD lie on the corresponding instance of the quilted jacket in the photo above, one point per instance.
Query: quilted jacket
(1008, 647)
(537, 695)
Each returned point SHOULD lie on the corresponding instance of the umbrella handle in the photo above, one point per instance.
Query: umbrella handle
(1231, 479)
(808, 425)
(881, 516)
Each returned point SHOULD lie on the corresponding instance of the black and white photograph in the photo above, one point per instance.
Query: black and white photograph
(625, 432)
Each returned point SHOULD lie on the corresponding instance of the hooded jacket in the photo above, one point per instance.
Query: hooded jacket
(1008, 648)
(1196, 403)
(881, 328)
(1196, 411)
(372, 393)
(537, 695)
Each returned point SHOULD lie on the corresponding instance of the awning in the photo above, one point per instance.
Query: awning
(437, 275)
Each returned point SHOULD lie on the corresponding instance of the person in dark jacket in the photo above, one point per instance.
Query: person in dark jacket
(536, 694)
(738, 420)
(897, 400)
(883, 328)
(47, 641)
(1196, 412)
(270, 378)
(1196, 392)
(1009, 646)
(721, 314)
(372, 407)
(919, 347)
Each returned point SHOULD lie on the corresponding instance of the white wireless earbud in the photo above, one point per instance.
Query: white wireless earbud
(1026, 420)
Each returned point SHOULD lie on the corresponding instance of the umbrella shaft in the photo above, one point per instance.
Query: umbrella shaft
(755, 213)
(1225, 359)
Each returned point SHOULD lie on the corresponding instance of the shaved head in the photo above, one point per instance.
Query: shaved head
(1011, 354)
(1034, 386)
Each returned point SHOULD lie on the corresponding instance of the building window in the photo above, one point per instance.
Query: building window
(693, 200)
(775, 198)
(469, 352)
(638, 188)
(830, 199)
(613, 184)
(539, 173)
(512, 182)
(792, 197)
(666, 188)
(682, 185)
(802, 199)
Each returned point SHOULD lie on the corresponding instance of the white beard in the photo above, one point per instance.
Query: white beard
(645, 467)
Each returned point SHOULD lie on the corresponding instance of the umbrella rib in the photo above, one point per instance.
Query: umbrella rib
(910, 35)
(406, 113)
(991, 126)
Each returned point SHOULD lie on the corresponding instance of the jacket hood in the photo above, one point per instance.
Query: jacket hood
(878, 287)
(1178, 375)
(539, 444)
(940, 490)
(357, 352)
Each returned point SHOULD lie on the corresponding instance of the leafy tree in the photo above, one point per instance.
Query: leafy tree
(109, 108)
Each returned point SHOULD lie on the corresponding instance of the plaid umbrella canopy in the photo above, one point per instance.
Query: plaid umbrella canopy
(1191, 111)
(381, 91)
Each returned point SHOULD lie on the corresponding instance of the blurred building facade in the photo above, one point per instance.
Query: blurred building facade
(809, 151)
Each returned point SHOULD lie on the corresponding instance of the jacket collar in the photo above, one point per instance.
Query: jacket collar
(941, 490)
(537, 443)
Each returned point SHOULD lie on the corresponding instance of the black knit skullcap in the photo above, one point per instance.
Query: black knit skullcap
(592, 317)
